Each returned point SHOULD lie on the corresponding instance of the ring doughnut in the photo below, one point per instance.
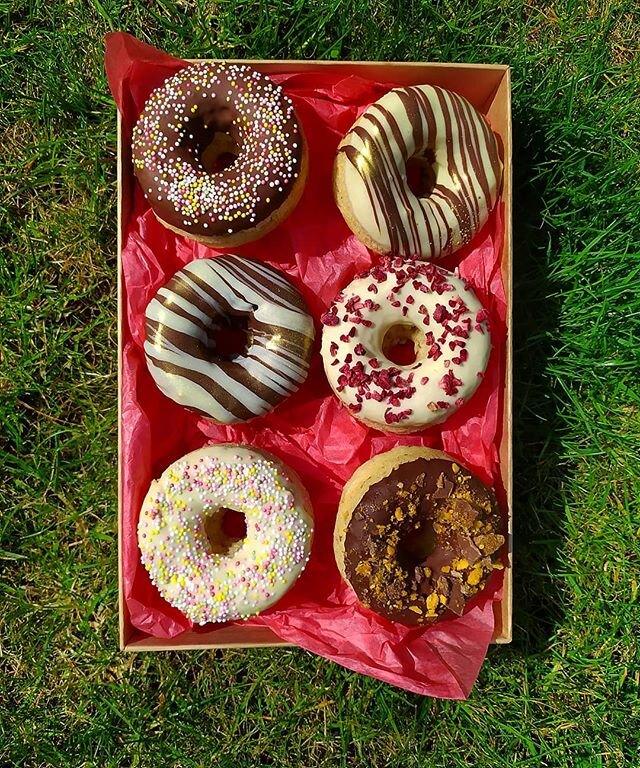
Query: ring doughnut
(195, 565)
(405, 301)
(224, 291)
(417, 535)
(458, 153)
(206, 114)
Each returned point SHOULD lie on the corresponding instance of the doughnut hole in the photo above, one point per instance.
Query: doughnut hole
(219, 153)
(231, 340)
(226, 529)
(417, 545)
(421, 173)
(404, 344)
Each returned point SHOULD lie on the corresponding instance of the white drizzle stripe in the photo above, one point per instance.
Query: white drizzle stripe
(273, 295)
(163, 315)
(173, 356)
(268, 273)
(270, 311)
(258, 370)
(172, 298)
(189, 393)
(294, 370)
(203, 294)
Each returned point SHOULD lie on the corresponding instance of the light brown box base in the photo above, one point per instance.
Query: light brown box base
(488, 88)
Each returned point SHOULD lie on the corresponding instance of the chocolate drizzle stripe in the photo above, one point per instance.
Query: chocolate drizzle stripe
(293, 356)
(455, 204)
(464, 210)
(422, 110)
(267, 290)
(163, 307)
(410, 104)
(223, 399)
(445, 234)
(224, 293)
(178, 339)
(263, 300)
(477, 177)
(188, 286)
(214, 377)
(277, 374)
(291, 344)
(266, 272)
(384, 184)
(479, 166)
(263, 383)
(398, 181)
(465, 175)
(393, 124)
(354, 155)
(170, 297)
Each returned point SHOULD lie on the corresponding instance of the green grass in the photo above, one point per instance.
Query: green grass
(565, 693)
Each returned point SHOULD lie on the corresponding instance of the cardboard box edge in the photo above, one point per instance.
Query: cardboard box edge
(120, 176)
(507, 600)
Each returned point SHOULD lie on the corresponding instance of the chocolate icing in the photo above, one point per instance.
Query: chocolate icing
(422, 541)
(180, 121)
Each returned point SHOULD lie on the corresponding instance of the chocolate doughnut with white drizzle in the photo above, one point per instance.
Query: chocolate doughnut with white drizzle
(180, 349)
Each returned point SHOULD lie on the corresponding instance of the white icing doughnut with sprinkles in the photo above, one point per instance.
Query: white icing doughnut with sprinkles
(461, 173)
(195, 565)
(401, 302)
(219, 153)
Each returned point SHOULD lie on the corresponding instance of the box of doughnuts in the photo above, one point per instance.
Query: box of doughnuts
(314, 282)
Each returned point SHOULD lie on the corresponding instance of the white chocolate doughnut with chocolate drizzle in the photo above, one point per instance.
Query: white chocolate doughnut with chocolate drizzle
(180, 348)
(399, 302)
(205, 114)
(370, 175)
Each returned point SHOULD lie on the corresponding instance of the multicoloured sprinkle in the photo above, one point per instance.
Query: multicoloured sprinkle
(254, 572)
(179, 122)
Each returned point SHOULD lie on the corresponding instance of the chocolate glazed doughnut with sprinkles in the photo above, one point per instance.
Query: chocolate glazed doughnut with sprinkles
(417, 535)
(190, 317)
(454, 155)
(219, 153)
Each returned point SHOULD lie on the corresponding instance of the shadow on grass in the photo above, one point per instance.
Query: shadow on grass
(538, 470)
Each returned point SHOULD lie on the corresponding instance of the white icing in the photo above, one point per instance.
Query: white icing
(468, 372)
(255, 572)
